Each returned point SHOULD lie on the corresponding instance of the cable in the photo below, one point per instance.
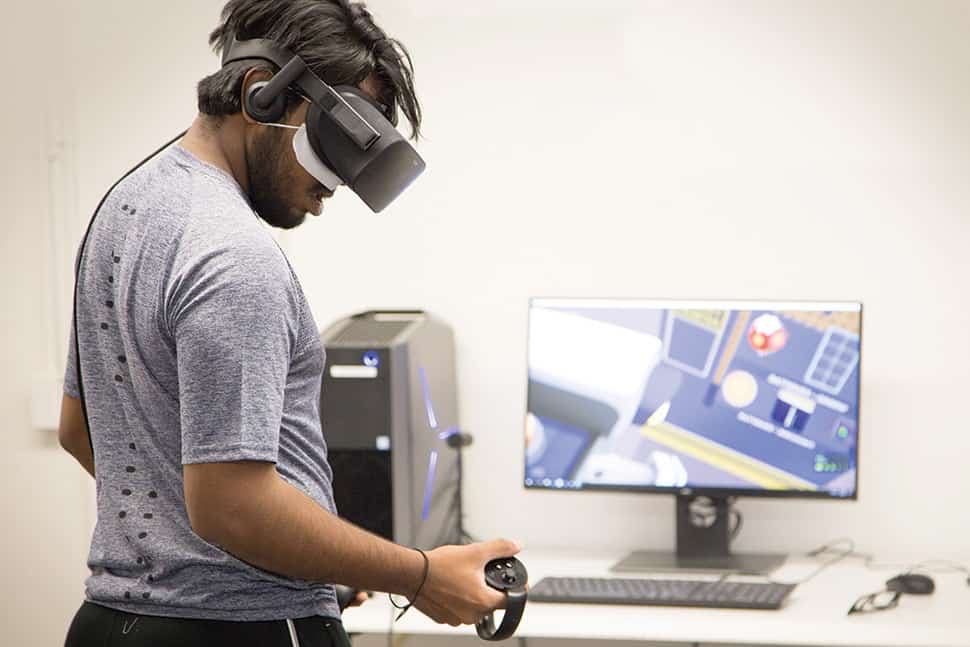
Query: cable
(463, 535)
(390, 629)
(738, 518)
(928, 566)
(945, 564)
(461, 515)
(818, 551)
(77, 275)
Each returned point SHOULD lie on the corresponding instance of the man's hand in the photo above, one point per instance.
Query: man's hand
(361, 597)
(455, 592)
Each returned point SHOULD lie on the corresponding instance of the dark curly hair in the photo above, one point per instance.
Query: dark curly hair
(337, 39)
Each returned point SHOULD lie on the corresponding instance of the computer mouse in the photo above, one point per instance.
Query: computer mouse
(914, 583)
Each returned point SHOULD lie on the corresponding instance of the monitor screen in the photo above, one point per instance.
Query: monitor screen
(718, 397)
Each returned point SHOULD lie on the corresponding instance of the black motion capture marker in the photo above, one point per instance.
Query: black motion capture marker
(506, 574)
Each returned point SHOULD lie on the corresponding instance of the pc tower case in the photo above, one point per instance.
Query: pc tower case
(388, 403)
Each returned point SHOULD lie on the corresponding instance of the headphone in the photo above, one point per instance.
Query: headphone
(348, 132)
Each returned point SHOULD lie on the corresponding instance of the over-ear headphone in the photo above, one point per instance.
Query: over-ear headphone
(252, 104)
(347, 130)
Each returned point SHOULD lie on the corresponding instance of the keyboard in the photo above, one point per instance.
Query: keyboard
(661, 592)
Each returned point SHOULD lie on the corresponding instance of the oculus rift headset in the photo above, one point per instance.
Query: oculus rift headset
(348, 133)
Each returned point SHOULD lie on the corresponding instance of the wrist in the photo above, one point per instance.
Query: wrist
(425, 572)
(426, 567)
(411, 573)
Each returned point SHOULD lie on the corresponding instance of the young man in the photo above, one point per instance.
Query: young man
(202, 365)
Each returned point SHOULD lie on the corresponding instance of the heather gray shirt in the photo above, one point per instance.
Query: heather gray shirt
(197, 346)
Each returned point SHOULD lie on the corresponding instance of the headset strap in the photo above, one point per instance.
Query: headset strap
(261, 48)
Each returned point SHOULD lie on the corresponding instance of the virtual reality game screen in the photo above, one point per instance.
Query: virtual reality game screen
(740, 396)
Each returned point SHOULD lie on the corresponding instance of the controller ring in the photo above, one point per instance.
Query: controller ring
(508, 575)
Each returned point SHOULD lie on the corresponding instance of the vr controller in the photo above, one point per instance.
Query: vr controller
(346, 595)
(506, 574)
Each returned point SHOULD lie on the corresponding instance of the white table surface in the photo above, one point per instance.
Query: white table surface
(814, 614)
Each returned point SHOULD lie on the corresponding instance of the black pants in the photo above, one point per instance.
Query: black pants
(98, 626)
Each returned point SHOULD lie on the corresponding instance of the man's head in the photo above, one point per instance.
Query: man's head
(340, 43)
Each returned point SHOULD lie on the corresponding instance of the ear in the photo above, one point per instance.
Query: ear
(250, 113)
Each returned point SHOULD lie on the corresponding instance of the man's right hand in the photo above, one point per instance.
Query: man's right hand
(250, 511)
(455, 592)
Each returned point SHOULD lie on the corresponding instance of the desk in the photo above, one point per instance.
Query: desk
(814, 614)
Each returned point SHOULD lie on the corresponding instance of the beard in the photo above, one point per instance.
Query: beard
(267, 179)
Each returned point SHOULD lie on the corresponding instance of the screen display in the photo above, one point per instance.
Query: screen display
(744, 397)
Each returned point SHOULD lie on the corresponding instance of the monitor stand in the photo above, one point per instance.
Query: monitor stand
(703, 538)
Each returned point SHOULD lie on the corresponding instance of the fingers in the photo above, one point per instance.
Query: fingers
(500, 548)
(361, 598)
(456, 592)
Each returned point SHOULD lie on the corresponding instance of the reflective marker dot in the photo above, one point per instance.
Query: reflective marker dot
(124, 207)
(122, 514)
(126, 492)
(104, 326)
(151, 578)
(129, 469)
(131, 445)
(148, 515)
(142, 535)
(122, 359)
(133, 210)
(152, 494)
(111, 279)
(109, 303)
(117, 378)
(117, 259)
(145, 595)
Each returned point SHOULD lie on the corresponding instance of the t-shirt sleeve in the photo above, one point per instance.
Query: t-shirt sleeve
(70, 371)
(71, 387)
(234, 315)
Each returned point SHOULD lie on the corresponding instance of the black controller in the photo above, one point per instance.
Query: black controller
(346, 595)
(506, 574)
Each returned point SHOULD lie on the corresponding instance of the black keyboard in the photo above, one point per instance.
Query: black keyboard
(661, 592)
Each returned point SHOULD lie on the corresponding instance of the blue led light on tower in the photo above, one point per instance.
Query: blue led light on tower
(388, 392)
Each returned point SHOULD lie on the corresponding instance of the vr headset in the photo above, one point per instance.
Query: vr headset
(348, 139)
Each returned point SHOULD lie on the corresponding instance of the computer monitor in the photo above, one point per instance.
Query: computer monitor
(706, 400)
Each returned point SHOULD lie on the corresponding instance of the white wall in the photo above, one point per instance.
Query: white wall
(43, 494)
(659, 149)
(90, 90)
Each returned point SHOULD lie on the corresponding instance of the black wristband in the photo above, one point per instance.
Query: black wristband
(424, 578)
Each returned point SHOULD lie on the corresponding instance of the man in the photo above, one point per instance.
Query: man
(202, 365)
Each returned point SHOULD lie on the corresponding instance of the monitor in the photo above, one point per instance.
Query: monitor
(712, 399)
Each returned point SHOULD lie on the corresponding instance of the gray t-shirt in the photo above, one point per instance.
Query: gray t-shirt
(197, 346)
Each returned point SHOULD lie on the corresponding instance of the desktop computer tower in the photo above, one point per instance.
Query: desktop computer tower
(388, 404)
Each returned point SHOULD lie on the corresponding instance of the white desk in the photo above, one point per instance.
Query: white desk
(814, 614)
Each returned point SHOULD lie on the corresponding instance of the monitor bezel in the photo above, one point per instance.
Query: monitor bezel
(712, 492)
